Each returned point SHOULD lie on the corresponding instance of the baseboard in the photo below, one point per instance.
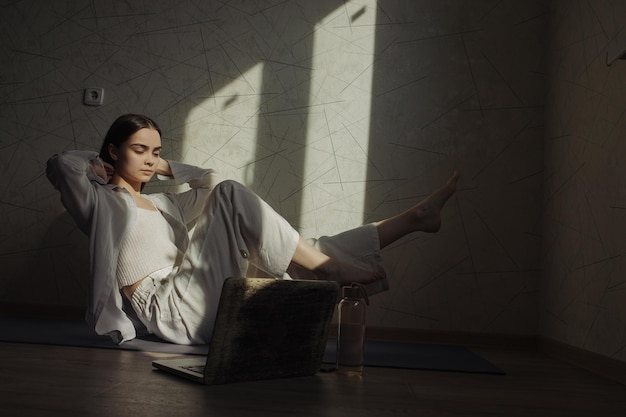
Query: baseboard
(593, 362)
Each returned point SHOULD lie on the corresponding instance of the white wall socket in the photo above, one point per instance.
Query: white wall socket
(94, 96)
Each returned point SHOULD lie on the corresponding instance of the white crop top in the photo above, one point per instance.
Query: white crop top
(148, 247)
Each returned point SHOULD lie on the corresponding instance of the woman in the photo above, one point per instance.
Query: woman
(149, 276)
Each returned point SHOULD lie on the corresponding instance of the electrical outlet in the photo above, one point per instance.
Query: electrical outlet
(94, 96)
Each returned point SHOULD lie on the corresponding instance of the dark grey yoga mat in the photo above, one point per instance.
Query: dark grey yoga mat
(433, 357)
(424, 356)
(78, 333)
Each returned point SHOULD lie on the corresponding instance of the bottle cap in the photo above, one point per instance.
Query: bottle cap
(355, 291)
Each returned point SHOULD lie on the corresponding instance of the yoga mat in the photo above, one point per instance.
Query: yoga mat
(432, 357)
(78, 333)
(424, 356)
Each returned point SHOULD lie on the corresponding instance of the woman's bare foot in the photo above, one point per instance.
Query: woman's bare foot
(425, 216)
(427, 213)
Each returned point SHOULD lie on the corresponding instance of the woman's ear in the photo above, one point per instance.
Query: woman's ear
(112, 152)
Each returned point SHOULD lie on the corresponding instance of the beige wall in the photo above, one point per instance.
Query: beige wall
(337, 112)
(584, 289)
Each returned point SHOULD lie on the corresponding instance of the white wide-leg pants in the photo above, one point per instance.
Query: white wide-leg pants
(236, 229)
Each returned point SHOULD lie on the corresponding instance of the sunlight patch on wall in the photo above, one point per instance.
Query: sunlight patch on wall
(246, 124)
(338, 136)
(220, 132)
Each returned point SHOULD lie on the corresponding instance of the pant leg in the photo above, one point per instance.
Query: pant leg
(236, 228)
(359, 247)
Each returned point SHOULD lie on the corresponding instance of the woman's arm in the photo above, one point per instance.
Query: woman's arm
(200, 180)
(103, 169)
(72, 173)
(164, 169)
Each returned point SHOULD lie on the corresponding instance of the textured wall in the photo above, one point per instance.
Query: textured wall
(585, 195)
(337, 112)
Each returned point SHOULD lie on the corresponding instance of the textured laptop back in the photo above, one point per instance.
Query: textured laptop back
(268, 328)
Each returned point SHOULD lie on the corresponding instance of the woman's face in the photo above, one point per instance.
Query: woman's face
(136, 159)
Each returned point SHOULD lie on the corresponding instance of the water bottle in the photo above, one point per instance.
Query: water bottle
(351, 331)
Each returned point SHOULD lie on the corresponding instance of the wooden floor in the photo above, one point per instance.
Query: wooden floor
(39, 380)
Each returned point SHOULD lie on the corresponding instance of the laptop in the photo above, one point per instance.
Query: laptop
(265, 329)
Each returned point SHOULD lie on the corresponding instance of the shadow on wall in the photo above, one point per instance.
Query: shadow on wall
(58, 275)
